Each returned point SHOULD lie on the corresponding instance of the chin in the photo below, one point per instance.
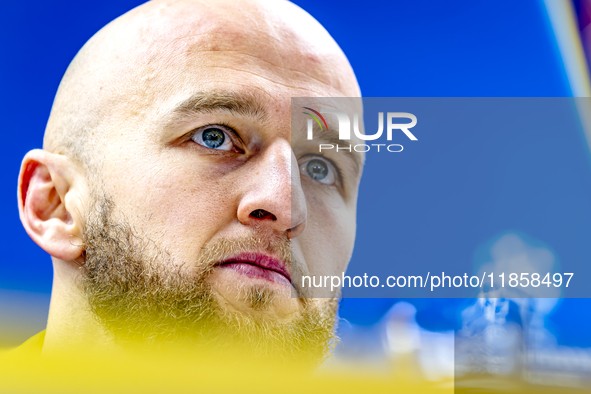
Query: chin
(254, 296)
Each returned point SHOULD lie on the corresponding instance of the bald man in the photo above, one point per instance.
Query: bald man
(170, 192)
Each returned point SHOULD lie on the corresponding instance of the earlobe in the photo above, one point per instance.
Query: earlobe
(46, 183)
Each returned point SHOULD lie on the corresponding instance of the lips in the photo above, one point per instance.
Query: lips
(258, 265)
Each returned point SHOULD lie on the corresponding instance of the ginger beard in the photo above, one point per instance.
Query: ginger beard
(140, 295)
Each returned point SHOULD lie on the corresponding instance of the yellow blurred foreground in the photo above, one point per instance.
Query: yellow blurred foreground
(169, 370)
(209, 370)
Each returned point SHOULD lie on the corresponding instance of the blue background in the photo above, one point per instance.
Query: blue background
(397, 48)
(482, 167)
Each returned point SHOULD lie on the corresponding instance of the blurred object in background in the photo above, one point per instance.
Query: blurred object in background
(582, 9)
(398, 345)
(502, 340)
(567, 22)
(509, 336)
(420, 353)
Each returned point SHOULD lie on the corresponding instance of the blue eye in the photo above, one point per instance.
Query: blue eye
(214, 137)
(319, 169)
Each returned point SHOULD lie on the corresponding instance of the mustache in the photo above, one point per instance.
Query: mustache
(214, 252)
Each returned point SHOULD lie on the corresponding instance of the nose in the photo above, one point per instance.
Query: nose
(273, 195)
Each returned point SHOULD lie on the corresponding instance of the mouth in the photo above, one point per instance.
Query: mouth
(258, 266)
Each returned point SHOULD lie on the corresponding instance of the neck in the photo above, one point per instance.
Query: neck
(71, 326)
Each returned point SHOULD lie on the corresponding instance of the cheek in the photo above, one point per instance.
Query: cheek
(179, 208)
(191, 209)
(327, 242)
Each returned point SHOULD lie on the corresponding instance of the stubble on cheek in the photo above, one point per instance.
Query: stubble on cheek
(126, 272)
(140, 295)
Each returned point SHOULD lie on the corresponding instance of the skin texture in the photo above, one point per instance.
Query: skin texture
(120, 128)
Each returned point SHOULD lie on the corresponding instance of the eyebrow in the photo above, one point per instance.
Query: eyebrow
(248, 105)
(245, 104)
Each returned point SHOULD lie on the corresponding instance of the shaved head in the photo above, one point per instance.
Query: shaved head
(125, 68)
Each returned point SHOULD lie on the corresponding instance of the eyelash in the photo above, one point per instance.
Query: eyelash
(227, 128)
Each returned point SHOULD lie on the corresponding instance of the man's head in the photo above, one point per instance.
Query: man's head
(171, 189)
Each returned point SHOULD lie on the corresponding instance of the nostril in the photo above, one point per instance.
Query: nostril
(262, 214)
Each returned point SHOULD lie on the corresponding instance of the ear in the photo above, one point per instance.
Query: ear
(49, 202)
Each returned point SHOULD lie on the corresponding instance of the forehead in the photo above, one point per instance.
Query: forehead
(196, 47)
